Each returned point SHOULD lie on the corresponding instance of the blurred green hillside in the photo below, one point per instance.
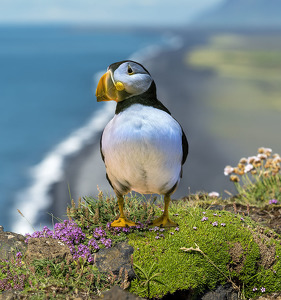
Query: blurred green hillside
(243, 91)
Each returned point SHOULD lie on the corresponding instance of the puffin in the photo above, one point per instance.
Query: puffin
(143, 147)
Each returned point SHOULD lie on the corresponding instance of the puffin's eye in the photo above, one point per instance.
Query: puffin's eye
(130, 71)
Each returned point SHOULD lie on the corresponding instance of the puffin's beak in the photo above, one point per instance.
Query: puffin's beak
(106, 90)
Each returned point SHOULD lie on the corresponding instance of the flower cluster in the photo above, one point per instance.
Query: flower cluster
(72, 235)
(260, 177)
(215, 223)
(262, 289)
(118, 230)
(100, 236)
(11, 280)
(263, 164)
(273, 201)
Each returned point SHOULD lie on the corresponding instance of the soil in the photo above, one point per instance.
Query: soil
(269, 216)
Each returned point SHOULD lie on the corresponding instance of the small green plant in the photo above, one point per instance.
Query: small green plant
(146, 278)
(257, 178)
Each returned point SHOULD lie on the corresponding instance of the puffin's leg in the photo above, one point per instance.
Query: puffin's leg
(164, 220)
(122, 221)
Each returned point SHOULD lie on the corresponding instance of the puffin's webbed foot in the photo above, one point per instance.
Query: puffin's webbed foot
(122, 222)
(164, 221)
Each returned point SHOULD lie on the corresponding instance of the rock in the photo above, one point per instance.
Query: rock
(8, 295)
(116, 293)
(10, 244)
(47, 248)
(274, 296)
(225, 292)
(115, 258)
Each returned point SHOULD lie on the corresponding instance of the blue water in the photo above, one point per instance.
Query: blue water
(47, 91)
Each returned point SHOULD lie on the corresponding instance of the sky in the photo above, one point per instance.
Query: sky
(104, 12)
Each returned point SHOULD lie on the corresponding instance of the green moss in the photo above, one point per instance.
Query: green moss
(191, 270)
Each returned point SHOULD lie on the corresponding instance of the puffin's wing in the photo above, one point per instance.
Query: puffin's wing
(102, 156)
(184, 147)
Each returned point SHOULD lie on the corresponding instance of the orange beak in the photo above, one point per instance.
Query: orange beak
(106, 89)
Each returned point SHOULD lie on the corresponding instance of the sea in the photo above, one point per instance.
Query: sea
(48, 109)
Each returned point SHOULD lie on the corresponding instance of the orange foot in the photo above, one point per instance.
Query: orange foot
(122, 222)
(164, 221)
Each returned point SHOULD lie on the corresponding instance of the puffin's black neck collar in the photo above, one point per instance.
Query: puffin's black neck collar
(148, 98)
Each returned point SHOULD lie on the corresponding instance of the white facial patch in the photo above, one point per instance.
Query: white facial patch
(136, 83)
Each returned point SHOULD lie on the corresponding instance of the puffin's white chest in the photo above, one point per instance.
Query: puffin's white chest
(142, 147)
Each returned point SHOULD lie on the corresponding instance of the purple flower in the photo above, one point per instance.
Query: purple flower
(254, 289)
(157, 237)
(126, 229)
(242, 219)
(72, 235)
(99, 232)
(223, 224)
(273, 201)
(91, 259)
(19, 255)
(204, 219)
(172, 233)
(177, 229)
(156, 228)
(176, 215)
(195, 228)
(106, 242)
(215, 223)
(82, 251)
(262, 289)
(68, 232)
(203, 212)
(139, 226)
(162, 235)
(215, 214)
(93, 243)
(162, 229)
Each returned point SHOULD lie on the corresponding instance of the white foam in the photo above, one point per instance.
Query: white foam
(36, 197)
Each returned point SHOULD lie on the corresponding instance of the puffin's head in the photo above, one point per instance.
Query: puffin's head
(123, 80)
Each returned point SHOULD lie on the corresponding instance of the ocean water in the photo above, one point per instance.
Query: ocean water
(48, 77)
